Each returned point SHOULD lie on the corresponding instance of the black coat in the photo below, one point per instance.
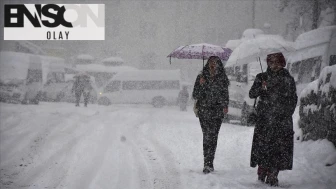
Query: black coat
(213, 96)
(272, 144)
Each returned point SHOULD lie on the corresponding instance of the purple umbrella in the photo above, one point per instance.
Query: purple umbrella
(200, 51)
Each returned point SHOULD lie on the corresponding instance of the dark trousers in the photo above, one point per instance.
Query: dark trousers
(210, 129)
(86, 96)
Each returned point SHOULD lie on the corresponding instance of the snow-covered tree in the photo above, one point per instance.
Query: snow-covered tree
(305, 14)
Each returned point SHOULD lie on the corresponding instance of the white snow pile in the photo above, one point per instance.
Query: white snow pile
(251, 33)
(232, 44)
(312, 86)
(314, 37)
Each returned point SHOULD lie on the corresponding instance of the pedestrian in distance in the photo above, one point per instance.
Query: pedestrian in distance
(82, 85)
(183, 98)
(272, 146)
(212, 99)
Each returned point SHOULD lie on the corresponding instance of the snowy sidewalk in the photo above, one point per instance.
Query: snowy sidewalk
(56, 145)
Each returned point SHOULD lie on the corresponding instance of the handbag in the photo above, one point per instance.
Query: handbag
(253, 117)
(195, 108)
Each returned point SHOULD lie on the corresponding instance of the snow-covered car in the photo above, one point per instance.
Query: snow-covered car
(315, 50)
(240, 104)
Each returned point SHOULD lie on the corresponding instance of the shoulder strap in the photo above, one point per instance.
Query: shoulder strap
(255, 100)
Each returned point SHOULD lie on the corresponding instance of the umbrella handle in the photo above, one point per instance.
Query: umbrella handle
(260, 65)
(170, 60)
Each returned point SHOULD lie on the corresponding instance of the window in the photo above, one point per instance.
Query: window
(309, 69)
(318, 61)
(56, 77)
(295, 67)
(229, 71)
(150, 85)
(332, 60)
(112, 86)
(34, 75)
(130, 85)
(101, 78)
(328, 78)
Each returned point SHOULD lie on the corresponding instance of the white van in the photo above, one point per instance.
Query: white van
(102, 73)
(315, 50)
(20, 77)
(156, 87)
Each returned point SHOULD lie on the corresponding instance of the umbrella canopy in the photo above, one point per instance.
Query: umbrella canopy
(250, 50)
(200, 51)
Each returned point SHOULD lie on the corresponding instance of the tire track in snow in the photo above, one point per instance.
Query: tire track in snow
(106, 140)
(158, 159)
(38, 168)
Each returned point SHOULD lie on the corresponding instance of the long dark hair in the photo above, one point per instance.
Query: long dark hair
(221, 75)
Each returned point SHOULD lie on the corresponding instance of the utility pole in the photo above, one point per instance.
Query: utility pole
(253, 13)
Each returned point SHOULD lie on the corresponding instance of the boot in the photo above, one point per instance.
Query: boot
(207, 170)
(272, 178)
(262, 173)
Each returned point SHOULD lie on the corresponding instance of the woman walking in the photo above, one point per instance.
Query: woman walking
(272, 146)
(212, 96)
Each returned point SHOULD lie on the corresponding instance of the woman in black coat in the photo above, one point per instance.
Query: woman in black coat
(211, 93)
(272, 147)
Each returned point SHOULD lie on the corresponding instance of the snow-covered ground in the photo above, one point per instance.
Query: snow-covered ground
(56, 145)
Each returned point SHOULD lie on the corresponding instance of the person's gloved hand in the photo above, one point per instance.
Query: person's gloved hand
(202, 80)
(264, 85)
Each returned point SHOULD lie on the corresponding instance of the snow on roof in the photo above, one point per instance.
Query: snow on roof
(307, 53)
(102, 68)
(315, 37)
(260, 46)
(85, 57)
(251, 33)
(148, 75)
(232, 44)
(113, 59)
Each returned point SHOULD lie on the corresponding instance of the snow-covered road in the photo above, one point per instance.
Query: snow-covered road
(57, 145)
